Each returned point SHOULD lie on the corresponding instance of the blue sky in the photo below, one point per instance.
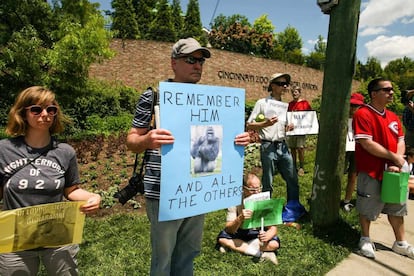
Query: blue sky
(386, 28)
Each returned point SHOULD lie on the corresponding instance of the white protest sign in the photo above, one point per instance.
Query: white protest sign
(258, 196)
(350, 140)
(276, 108)
(304, 122)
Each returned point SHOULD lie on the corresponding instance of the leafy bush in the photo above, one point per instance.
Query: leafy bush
(249, 105)
(108, 124)
(100, 100)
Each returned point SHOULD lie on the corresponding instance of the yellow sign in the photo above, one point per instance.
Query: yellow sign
(47, 225)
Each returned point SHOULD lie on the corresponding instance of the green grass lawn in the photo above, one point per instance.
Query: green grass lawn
(120, 245)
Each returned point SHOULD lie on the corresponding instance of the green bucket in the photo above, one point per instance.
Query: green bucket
(394, 187)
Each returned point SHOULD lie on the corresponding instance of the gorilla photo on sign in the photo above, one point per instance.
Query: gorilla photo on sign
(205, 147)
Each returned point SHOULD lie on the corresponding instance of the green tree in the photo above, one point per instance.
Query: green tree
(222, 22)
(15, 15)
(49, 46)
(22, 63)
(177, 17)
(262, 25)
(242, 39)
(124, 23)
(371, 69)
(75, 11)
(145, 11)
(316, 58)
(291, 43)
(162, 27)
(71, 56)
(401, 71)
(25, 36)
(192, 23)
(234, 33)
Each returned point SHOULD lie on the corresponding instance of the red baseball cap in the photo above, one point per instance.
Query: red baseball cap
(357, 99)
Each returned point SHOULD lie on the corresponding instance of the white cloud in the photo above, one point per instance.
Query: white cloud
(384, 28)
(388, 48)
(313, 42)
(382, 13)
(372, 31)
(407, 20)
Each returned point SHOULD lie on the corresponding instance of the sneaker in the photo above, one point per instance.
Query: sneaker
(347, 206)
(301, 172)
(222, 249)
(367, 248)
(405, 250)
(269, 256)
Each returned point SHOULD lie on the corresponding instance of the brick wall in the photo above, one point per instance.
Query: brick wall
(141, 63)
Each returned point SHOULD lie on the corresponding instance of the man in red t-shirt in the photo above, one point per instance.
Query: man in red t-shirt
(379, 145)
(297, 142)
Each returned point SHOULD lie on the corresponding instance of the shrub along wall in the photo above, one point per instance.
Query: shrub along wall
(141, 63)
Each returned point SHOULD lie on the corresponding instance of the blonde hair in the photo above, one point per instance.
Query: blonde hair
(17, 124)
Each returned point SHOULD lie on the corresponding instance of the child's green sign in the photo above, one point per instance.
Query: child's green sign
(270, 210)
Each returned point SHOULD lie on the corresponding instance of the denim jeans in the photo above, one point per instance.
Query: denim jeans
(275, 157)
(174, 243)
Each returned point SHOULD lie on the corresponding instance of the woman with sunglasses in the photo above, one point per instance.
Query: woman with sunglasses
(52, 175)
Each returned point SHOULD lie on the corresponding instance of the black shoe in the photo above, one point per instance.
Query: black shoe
(347, 207)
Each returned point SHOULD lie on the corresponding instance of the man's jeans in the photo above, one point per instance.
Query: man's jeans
(174, 243)
(275, 157)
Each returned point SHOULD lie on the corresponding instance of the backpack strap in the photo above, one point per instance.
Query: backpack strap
(155, 102)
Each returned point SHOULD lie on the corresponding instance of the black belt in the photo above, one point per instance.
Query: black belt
(273, 142)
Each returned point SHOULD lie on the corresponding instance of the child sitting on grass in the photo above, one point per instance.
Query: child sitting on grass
(262, 245)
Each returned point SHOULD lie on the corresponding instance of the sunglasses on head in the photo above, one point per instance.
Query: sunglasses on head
(37, 110)
(193, 60)
(281, 83)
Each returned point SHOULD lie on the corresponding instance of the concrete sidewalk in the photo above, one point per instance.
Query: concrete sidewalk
(386, 261)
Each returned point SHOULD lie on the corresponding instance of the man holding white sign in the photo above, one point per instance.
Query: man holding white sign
(274, 152)
(174, 243)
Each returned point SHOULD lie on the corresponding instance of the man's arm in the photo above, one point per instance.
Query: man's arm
(259, 125)
(140, 139)
(378, 150)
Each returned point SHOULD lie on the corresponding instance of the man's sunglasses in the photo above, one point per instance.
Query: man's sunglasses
(37, 110)
(386, 89)
(281, 83)
(193, 60)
